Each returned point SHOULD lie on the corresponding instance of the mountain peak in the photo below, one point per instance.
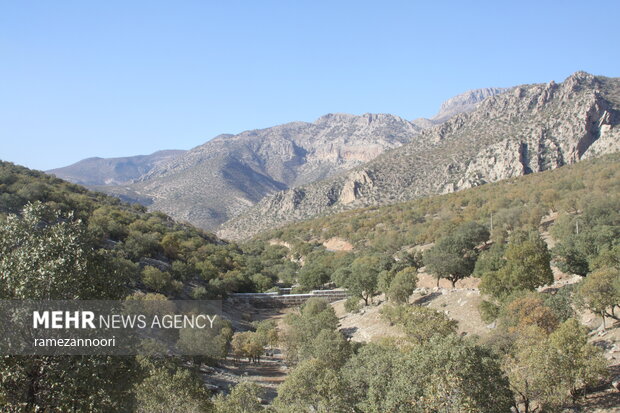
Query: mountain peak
(465, 102)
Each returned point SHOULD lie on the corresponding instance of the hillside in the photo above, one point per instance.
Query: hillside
(156, 253)
(532, 128)
(507, 204)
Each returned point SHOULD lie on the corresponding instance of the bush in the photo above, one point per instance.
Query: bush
(352, 305)
(488, 311)
(155, 279)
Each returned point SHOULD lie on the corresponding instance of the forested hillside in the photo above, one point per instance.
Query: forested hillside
(507, 205)
(61, 241)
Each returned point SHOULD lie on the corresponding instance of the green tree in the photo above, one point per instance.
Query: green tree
(575, 363)
(363, 279)
(245, 397)
(599, 292)
(420, 323)
(402, 285)
(445, 374)
(314, 386)
(454, 256)
(527, 266)
(172, 391)
(583, 237)
(45, 255)
(303, 327)
(155, 279)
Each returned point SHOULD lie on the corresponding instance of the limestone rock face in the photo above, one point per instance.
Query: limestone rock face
(358, 183)
(527, 129)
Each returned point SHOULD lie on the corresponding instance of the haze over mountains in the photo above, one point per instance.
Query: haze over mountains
(265, 178)
(225, 176)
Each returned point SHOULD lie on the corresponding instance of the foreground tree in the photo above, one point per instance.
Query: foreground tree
(420, 323)
(45, 255)
(445, 374)
(305, 326)
(168, 390)
(314, 386)
(547, 372)
(245, 397)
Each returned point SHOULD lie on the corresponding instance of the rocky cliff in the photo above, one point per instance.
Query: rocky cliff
(528, 129)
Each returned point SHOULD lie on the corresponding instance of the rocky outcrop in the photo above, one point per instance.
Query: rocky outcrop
(357, 184)
(528, 129)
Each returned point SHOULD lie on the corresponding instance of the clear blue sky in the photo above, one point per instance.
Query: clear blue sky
(117, 78)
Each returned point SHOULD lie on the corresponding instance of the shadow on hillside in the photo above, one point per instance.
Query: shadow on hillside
(427, 298)
(348, 332)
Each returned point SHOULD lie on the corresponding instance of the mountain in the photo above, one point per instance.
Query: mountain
(219, 179)
(230, 173)
(113, 171)
(464, 103)
(530, 128)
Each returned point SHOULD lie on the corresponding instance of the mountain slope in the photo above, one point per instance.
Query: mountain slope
(529, 129)
(113, 171)
(217, 180)
(227, 175)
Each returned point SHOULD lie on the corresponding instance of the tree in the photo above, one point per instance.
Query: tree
(172, 391)
(329, 346)
(47, 255)
(526, 267)
(303, 327)
(548, 371)
(316, 270)
(576, 363)
(314, 386)
(583, 237)
(245, 397)
(445, 374)
(454, 256)
(528, 310)
(402, 285)
(362, 281)
(204, 344)
(599, 292)
(420, 323)
(155, 279)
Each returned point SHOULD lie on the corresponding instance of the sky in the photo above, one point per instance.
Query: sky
(119, 78)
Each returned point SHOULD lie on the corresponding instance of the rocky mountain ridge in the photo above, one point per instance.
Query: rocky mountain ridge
(113, 171)
(528, 129)
(220, 179)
